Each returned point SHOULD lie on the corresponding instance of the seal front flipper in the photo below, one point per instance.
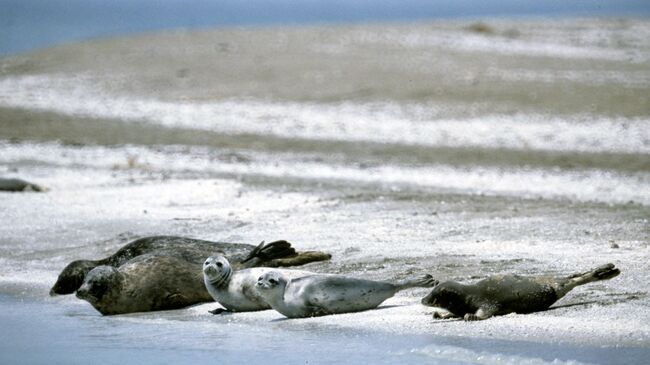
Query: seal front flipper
(443, 315)
(481, 314)
(175, 301)
(315, 310)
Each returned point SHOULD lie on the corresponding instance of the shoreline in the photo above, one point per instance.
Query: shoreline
(181, 335)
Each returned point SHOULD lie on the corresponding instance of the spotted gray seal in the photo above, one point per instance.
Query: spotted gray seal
(236, 290)
(15, 185)
(318, 295)
(500, 295)
(146, 283)
(164, 272)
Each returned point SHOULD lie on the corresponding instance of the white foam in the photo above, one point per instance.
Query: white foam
(409, 124)
(461, 355)
(581, 185)
(630, 79)
(544, 41)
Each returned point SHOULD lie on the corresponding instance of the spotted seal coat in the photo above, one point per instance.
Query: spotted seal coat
(500, 295)
(236, 290)
(322, 294)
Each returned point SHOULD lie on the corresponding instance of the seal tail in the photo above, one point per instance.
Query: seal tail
(270, 251)
(425, 281)
(604, 272)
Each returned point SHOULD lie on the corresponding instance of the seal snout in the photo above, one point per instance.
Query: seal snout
(267, 281)
(210, 270)
(84, 293)
(260, 283)
(429, 300)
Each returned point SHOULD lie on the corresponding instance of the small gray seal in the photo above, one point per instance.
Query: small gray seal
(236, 290)
(318, 295)
(15, 185)
(500, 295)
(159, 273)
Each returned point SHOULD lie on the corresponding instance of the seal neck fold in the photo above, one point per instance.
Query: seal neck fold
(223, 279)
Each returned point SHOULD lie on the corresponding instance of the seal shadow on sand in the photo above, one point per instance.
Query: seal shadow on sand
(616, 298)
(367, 310)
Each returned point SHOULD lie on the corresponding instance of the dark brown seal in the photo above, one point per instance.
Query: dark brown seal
(500, 295)
(165, 272)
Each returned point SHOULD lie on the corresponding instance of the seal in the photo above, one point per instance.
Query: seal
(15, 185)
(236, 290)
(164, 272)
(500, 295)
(274, 254)
(319, 295)
(146, 283)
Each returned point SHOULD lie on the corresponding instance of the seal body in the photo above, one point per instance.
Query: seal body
(236, 290)
(15, 185)
(164, 272)
(147, 283)
(500, 295)
(318, 295)
(187, 249)
(191, 250)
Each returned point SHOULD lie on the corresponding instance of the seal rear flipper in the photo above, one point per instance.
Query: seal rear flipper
(269, 251)
(604, 272)
(425, 281)
(300, 258)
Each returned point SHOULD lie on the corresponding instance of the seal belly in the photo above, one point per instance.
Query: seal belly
(340, 295)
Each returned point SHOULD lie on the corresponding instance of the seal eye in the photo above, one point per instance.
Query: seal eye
(207, 263)
(260, 278)
(219, 264)
(273, 281)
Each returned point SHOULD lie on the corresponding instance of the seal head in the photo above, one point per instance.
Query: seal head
(71, 278)
(450, 295)
(271, 281)
(217, 271)
(98, 285)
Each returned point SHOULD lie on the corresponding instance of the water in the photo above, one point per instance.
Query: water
(454, 148)
(171, 340)
(31, 24)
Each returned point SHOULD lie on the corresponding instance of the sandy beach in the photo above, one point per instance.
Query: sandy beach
(443, 148)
